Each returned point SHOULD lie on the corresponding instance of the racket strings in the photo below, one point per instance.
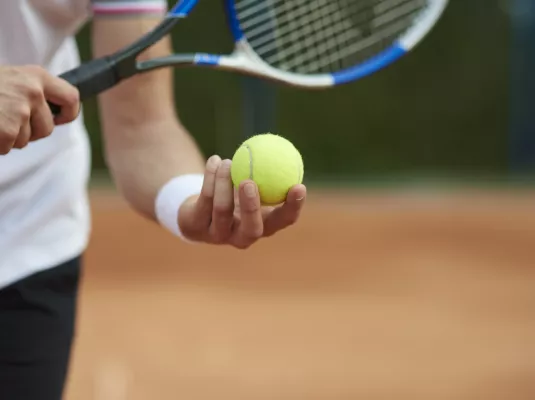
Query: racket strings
(323, 36)
(327, 16)
(324, 13)
(338, 41)
(344, 51)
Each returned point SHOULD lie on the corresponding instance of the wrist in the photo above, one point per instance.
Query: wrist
(171, 196)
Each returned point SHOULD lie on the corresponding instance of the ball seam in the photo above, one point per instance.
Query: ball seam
(250, 151)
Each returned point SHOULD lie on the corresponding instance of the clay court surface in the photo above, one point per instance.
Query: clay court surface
(372, 296)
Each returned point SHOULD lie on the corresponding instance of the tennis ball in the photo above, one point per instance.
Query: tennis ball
(272, 162)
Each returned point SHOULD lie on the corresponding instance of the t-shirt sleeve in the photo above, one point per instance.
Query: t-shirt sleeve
(128, 7)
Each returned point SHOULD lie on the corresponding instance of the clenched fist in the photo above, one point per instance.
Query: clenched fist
(24, 112)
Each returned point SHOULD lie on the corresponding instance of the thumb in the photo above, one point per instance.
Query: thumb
(188, 221)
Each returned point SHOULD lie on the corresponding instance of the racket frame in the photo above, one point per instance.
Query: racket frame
(99, 75)
(244, 59)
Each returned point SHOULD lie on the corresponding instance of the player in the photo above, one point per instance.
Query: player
(155, 163)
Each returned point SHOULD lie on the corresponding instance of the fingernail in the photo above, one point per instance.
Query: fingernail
(214, 161)
(250, 190)
(213, 164)
(300, 198)
(225, 166)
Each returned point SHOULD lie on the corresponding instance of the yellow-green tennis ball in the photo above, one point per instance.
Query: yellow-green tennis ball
(272, 162)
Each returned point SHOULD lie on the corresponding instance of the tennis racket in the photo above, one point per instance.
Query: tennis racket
(302, 43)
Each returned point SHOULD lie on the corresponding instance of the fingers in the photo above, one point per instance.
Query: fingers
(61, 93)
(24, 112)
(251, 227)
(41, 122)
(8, 139)
(222, 215)
(14, 122)
(204, 205)
(287, 214)
(195, 215)
(223, 204)
(23, 137)
(8, 132)
(25, 132)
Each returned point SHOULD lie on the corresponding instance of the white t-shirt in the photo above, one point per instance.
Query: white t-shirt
(44, 210)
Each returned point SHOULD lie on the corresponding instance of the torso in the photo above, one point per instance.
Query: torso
(44, 213)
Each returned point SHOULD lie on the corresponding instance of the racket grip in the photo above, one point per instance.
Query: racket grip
(90, 79)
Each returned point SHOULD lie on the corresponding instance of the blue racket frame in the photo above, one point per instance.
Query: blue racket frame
(103, 73)
(372, 65)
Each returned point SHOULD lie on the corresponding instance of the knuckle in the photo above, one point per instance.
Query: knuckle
(34, 69)
(24, 112)
(207, 193)
(222, 209)
(255, 233)
(34, 91)
(42, 127)
(72, 100)
(35, 73)
(37, 131)
(10, 134)
(253, 208)
(259, 233)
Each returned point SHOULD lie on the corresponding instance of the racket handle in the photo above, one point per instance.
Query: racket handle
(90, 79)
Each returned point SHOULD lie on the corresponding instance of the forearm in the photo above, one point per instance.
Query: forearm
(145, 143)
(162, 150)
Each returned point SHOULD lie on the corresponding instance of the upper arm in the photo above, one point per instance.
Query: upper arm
(142, 98)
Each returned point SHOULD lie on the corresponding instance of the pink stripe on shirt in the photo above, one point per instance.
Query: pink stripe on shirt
(129, 8)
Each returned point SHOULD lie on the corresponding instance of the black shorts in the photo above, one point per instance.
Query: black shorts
(37, 321)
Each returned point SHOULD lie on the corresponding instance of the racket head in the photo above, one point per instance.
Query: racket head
(181, 8)
(321, 43)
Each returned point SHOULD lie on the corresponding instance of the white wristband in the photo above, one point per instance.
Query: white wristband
(171, 196)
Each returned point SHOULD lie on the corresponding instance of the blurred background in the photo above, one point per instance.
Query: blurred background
(412, 272)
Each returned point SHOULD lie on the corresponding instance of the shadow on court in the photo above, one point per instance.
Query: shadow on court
(372, 296)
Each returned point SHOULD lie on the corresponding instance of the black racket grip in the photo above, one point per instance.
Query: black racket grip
(90, 79)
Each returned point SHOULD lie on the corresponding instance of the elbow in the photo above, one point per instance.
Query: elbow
(131, 184)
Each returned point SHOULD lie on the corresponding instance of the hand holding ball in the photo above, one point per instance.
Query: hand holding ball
(272, 162)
